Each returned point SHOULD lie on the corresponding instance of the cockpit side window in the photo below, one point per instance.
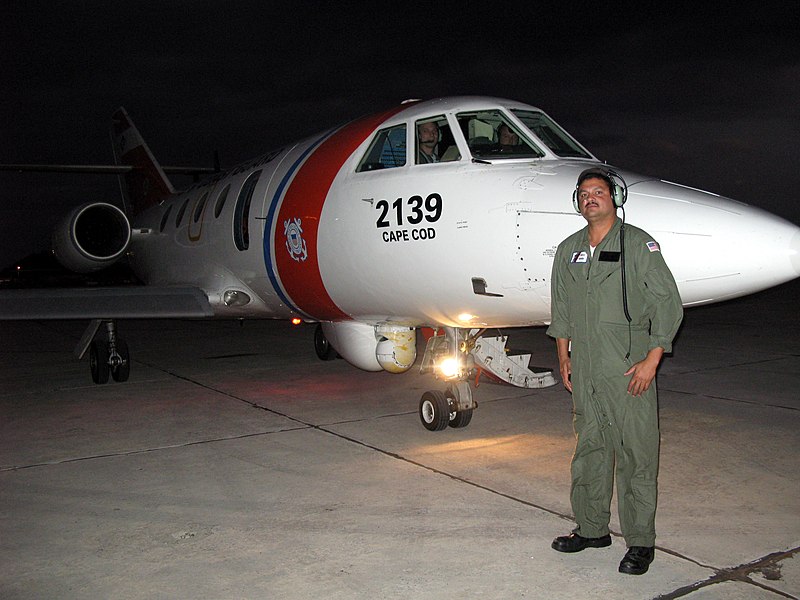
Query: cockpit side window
(558, 140)
(434, 141)
(491, 135)
(387, 150)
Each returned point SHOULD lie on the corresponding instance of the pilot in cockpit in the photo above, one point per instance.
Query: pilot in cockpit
(508, 140)
(427, 139)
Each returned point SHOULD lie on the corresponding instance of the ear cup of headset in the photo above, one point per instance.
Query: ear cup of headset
(618, 195)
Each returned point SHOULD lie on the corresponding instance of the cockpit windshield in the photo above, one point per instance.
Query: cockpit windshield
(490, 135)
(556, 139)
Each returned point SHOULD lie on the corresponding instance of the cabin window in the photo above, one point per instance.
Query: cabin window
(387, 150)
(223, 195)
(555, 138)
(434, 141)
(492, 135)
(241, 214)
(164, 218)
(198, 210)
(181, 212)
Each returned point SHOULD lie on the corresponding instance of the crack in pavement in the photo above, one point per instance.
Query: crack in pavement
(768, 564)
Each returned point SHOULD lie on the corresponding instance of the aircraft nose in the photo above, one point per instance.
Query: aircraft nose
(717, 248)
(794, 253)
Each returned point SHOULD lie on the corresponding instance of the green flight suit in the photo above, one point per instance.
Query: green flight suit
(614, 430)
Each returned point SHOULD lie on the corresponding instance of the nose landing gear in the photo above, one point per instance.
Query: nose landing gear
(454, 406)
(438, 409)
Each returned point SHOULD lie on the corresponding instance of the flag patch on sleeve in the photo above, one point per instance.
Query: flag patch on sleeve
(653, 247)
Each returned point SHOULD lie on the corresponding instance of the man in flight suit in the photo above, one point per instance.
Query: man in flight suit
(610, 342)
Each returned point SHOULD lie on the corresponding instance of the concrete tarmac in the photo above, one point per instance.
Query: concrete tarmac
(234, 464)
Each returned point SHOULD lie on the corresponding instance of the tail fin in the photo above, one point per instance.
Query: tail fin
(145, 184)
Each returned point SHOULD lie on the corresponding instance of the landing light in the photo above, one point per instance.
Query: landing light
(449, 367)
(235, 298)
(466, 317)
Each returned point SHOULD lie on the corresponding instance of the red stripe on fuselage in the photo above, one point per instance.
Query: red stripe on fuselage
(303, 200)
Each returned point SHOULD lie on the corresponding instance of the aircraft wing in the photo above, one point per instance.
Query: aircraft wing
(131, 302)
(103, 169)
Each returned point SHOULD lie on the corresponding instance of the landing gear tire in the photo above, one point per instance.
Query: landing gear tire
(98, 361)
(461, 418)
(434, 410)
(121, 372)
(322, 346)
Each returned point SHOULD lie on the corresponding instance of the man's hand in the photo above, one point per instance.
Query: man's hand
(644, 372)
(566, 370)
(564, 362)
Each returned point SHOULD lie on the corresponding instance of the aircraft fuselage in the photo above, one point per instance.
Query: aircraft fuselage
(308, 231)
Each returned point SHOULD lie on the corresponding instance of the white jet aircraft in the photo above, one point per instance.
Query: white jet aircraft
(426, 215)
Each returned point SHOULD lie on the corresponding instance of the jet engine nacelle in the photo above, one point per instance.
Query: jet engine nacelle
(373, 347)
(91, 237)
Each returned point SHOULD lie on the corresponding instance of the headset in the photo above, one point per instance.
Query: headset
(619, 193)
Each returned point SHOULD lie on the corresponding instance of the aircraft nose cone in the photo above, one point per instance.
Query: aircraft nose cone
(794, 253)
(717, 248)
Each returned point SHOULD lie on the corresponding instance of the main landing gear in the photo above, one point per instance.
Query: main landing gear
(109, 356)
(322, 346)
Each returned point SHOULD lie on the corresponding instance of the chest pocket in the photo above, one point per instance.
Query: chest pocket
(607, 284)
(577, 274)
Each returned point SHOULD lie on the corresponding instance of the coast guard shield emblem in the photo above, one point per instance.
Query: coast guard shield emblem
(295, 243)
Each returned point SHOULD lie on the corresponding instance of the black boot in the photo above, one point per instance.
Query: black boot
(637, 560)
(575, 543)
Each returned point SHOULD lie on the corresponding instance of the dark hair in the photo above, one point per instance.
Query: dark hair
(595, 173)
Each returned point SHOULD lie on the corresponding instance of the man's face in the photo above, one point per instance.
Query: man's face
(428, 134)
(594, 199)
(506, 137)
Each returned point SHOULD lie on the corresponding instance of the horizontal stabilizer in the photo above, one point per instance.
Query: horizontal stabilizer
(143, 302)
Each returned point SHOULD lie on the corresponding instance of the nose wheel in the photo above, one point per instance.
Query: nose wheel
(440, 409)
(434, 410)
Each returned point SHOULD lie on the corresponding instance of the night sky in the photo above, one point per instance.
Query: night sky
(709, 98)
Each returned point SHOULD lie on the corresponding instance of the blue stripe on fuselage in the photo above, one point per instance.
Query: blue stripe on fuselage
(273, 210)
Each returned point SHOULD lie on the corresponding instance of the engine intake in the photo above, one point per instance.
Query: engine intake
(91, 237)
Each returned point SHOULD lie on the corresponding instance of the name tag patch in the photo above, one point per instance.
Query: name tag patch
(607, 256)
(579, 257)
